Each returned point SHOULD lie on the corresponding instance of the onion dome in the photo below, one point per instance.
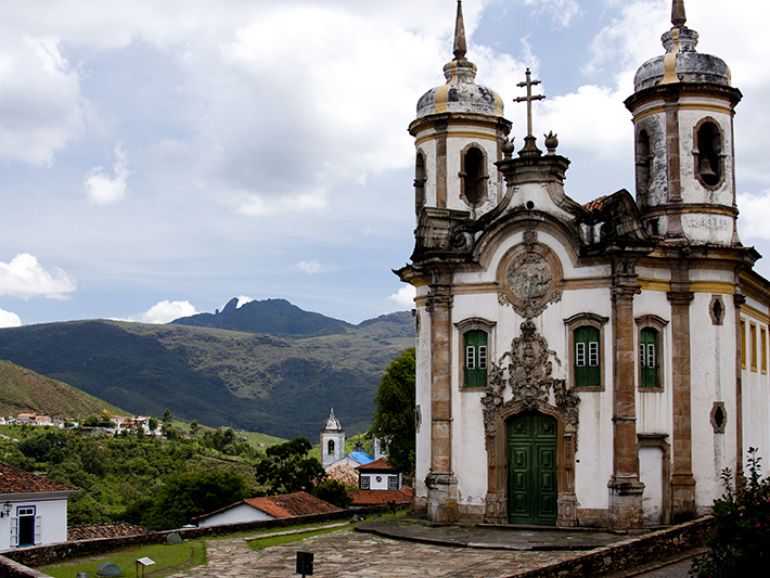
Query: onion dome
(681, 63)
(332, 423)
(460, 93)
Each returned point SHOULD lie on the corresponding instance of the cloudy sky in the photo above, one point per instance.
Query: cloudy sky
(160, 157)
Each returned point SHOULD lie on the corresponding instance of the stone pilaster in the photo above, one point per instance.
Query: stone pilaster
(624, 485)
(682, 480)
(441, 483)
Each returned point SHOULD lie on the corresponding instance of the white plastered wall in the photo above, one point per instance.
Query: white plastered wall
(423, 397)
(235, 515)
(53, 520)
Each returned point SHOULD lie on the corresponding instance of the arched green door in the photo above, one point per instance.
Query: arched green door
(532, 469)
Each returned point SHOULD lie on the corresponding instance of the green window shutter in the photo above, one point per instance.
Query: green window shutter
(648, 353)
(476, 358)
(587, 360)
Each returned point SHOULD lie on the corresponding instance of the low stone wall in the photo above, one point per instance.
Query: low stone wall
(629, 553)
(13, 562)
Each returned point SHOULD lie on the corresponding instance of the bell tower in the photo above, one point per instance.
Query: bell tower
(458, 135)
(332, 440)
(683, 107)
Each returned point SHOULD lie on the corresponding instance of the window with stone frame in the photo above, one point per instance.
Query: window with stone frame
(365, 482)
(649, 352)
(753, 346)
(330, 447)
(392, 482)
(643, 165)
(473, 176)
(763, 352)
(587, 357)
(476, 358)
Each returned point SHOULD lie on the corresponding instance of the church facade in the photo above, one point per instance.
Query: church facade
(592, 364)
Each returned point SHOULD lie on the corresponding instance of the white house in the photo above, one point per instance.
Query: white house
(266, 508)
(33, 509)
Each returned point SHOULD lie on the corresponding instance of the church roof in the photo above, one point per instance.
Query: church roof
(361, 457)
(460, 93)
(378, 465)
(332, 423)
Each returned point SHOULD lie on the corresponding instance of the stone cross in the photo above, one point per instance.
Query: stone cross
(529, 83)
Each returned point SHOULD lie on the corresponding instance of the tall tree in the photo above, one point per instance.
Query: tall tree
(394, 412)
(287, 468)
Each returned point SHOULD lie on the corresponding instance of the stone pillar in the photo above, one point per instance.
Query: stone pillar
(673, 170)
(682, 480)
(441, 164)
(624, 485)
(440, 481)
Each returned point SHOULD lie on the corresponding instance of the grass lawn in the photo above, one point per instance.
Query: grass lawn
(169, 559)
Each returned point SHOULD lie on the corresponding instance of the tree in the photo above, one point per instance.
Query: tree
(186, 495)
(286, 468)
(194, 427)
(334, 492)
(394, 412)
(738, 545)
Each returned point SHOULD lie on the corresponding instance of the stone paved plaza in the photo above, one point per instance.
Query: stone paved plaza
(347, 554)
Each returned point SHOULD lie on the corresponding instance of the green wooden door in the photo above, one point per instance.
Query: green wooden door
(532, 469)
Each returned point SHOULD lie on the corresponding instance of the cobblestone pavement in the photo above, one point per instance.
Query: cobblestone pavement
(346, 554)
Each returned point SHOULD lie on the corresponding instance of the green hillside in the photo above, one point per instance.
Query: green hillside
(23, 390)
(282, 386)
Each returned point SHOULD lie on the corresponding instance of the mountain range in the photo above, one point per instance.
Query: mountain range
(264, 366)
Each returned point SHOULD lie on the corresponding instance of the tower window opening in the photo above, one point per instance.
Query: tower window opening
(709, 154)
(643, 164)
(330, 447)
(419, 182)
(473, 175)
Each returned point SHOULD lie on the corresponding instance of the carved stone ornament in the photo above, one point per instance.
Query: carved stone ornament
(525, 370)
(528, 281)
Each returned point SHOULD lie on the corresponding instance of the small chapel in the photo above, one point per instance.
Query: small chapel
(593, 364)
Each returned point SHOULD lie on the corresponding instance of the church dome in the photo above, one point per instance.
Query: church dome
(460, 94)
(332, 423)
(681, 63)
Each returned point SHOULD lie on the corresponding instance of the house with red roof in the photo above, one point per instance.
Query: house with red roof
(267, 508)
(379, 483)
(33, 509)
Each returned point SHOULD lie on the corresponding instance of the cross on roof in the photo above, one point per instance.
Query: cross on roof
(529, 83)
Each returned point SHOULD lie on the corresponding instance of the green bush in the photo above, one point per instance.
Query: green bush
(741, 540)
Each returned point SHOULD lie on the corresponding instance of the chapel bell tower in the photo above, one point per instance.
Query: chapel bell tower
(458, 132)
(683, 107)
(332, 440)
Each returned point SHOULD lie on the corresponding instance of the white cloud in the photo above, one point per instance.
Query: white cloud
(243, 300)
(404, 297)
(41, 108)
(310, 267)
(24, 277)
(561, 11)
(103, 188)
(9, 319)
(166, 311)
(755, 214)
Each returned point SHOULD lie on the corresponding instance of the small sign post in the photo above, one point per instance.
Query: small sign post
(305, 563)
(143, 563)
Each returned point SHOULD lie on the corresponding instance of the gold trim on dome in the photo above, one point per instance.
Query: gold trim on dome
(441, 98)
(669, 61)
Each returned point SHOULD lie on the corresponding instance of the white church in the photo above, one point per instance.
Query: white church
(584, 365)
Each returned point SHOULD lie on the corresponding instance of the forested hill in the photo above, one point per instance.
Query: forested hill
(23, 390)
(281, 385)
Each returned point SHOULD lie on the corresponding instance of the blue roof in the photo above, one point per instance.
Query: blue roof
(361, 457)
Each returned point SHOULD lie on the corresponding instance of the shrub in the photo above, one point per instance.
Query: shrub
(742, 526)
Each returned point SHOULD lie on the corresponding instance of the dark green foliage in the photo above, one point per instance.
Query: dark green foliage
(394, 413)
(287, 468)
(227, 442)
(186, 495)
(119, 477)
(334, 492)
(740, 545)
